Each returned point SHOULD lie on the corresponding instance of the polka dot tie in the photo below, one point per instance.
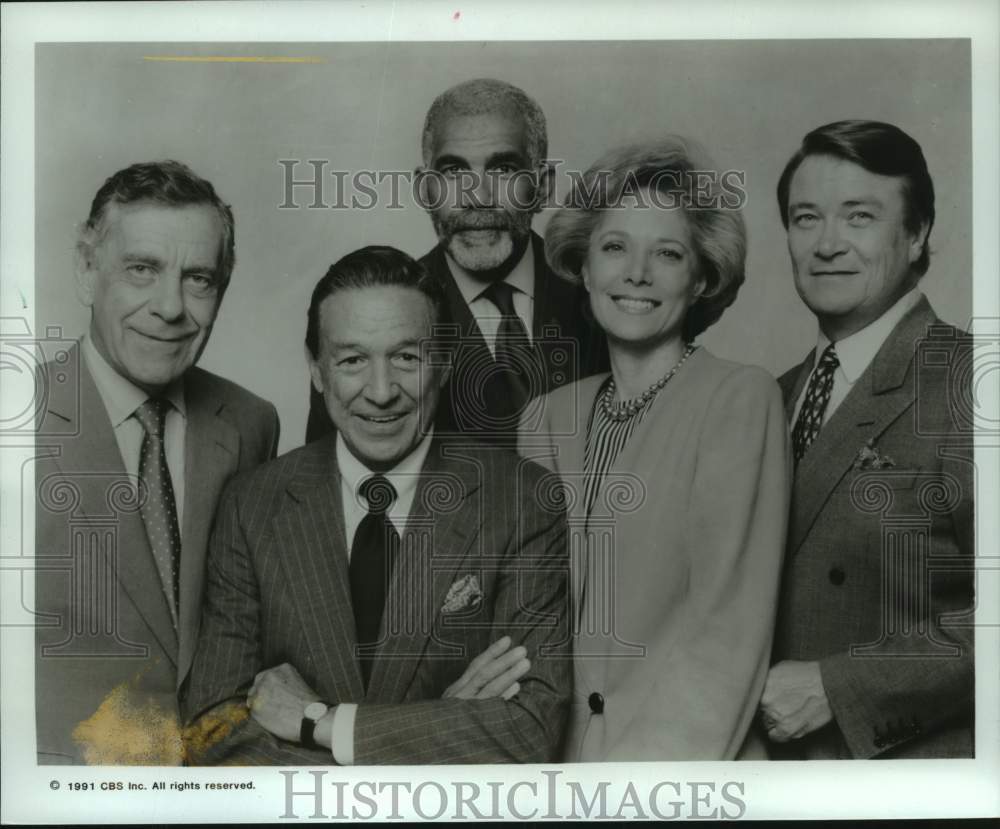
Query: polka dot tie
(814, 406)
(373, 554)
(159, 510)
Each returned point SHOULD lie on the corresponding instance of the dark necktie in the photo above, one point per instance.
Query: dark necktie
(373, 554)
(509, 385)
(159, 510)
(814, 405)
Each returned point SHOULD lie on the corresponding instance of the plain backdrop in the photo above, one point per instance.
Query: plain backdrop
(360, 106)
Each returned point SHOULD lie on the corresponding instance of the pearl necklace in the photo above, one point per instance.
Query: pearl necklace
(624, 409)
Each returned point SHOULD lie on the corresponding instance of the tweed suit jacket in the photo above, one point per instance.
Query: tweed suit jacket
(109, 660)
(279, 591)
(567, 347)
(676, 570)
(878, 585)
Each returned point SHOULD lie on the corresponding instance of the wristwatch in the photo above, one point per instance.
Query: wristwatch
(312, 714)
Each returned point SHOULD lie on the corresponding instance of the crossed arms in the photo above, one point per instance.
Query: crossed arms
(251, 623)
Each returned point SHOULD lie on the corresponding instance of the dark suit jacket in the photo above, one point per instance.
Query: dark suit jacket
(567, 348)
(279, 591)
(108, 657)
(878, 583)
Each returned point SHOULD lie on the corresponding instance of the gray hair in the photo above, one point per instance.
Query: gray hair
(168, 183)
(481, 96)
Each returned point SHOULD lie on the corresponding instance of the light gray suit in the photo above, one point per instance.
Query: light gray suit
(676, 569)
(105, 638)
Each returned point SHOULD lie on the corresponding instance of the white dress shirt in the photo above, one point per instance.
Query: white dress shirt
(487, 315)
(353, 473)
(856, 352)
(121, 398)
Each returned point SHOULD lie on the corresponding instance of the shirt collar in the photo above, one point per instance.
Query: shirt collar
(121, 396)
(403, 476)
(521, 278)
(858, 350)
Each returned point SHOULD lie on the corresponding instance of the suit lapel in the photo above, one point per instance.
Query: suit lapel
(881, 394)
(548, 309)
(555, 322)
(471, 338)
(96, 464)
(794, 382)
(570, 440)
(434, 545)
(211, 455)
(313, 549)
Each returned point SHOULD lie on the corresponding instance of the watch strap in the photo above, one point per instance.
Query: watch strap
(307, 727)
(307, 730)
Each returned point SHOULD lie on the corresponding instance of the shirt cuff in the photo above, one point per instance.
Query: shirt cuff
(342, 734)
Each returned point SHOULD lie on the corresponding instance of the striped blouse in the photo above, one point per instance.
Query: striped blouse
(605, 440)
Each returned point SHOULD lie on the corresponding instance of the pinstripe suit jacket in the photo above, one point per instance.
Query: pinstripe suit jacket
(108, 655)
(278, 591)
(878, 584)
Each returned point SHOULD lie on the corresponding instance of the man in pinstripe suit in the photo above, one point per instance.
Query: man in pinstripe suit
(351, 581)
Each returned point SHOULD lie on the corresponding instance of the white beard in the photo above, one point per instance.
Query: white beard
(482, 254)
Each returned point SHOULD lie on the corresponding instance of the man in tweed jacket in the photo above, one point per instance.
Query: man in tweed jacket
(284, 672)
(874, 645)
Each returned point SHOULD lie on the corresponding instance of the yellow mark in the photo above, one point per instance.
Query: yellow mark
(228, 59)
(130, 729)
(211, 729)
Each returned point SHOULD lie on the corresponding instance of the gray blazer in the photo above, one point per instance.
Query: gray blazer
(279, 591)
(878, 583)
(109, 660)
(676, 570)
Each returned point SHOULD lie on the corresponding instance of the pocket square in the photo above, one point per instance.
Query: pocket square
(870, 458)
(464, 594)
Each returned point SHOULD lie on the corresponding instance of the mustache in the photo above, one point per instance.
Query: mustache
(478, 219)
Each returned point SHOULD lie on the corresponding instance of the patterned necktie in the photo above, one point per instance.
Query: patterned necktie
(373, 554)
(509, 385)
(159, 510)
(814, 405)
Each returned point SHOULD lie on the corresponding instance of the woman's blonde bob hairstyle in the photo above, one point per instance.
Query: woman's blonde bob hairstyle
(675, 173)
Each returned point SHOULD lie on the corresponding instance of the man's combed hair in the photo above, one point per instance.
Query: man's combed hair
(167, 183)
(483, 96)
(375, 266)
(673, 166)
(879, 148)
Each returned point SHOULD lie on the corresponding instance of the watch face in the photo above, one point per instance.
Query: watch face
(315, 710)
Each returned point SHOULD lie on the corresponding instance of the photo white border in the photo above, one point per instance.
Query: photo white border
(954, 788)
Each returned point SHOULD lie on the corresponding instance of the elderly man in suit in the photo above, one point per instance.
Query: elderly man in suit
(874, 646)
(135, 444)
(519, 328)
(351, 581)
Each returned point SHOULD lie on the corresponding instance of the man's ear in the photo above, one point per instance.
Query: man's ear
(86, 271)
(918, 241)
(545, 182)
(444, 372)
(426, 188)
(314, 373)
